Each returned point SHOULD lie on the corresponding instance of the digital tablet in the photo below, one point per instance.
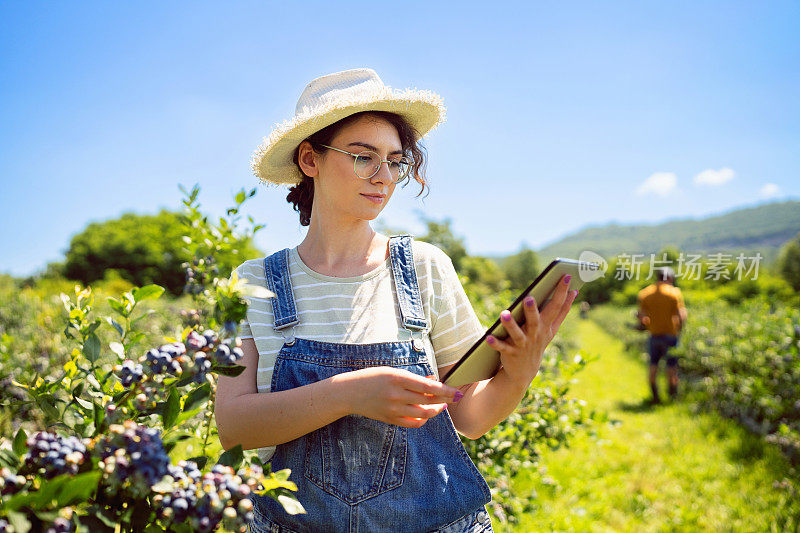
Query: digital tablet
(482, 361)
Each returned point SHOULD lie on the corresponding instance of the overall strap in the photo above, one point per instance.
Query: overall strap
(276, 270)
(405, 283)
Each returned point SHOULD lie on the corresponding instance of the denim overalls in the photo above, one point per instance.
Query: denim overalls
(358, 474)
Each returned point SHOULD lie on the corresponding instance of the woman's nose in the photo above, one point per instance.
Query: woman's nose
(383, 175)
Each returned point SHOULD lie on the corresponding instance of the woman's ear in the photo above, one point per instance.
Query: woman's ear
(306, 158)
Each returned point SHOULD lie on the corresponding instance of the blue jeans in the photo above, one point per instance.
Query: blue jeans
(659, 346)
(359, 474)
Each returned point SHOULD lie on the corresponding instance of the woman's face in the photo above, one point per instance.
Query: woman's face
(337, 189)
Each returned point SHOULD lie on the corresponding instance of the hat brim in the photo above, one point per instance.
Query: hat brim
(272, 161)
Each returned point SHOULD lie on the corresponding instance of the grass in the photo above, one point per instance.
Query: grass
(662, 468)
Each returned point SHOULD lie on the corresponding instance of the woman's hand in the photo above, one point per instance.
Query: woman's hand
(521, 352)
(396, 396)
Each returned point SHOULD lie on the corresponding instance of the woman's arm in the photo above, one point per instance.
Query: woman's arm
(257, 420)
(488, 402)
(254, 420)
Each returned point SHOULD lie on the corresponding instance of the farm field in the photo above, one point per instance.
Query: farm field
(662, 468)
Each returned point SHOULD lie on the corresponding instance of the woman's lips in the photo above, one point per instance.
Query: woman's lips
(376, 199)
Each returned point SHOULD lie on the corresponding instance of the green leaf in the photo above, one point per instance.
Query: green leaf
(200, 460)
(78, 488)
(19, 521)
(20, 442)
(197, 396)
(47, 404)
(98, 523)
(9, 459)
(241, 197)
(46, 496)
(230, 371)
(148, 292)
(186, 415)
(116, 306)
(232, 457)
(91, 348)
(113, 323)
(171, 408)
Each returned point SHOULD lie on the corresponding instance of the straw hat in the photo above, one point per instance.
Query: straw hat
(329, 99)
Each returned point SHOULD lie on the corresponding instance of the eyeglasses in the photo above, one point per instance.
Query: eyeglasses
(367, 163)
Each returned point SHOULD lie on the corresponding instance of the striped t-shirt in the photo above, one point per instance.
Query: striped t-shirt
(362, 309)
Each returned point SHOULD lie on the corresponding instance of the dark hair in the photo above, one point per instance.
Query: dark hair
(302, 194)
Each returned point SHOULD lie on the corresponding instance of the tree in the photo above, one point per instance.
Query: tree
(789, 262)
(441, 235)
(521, 268)
(143, 249)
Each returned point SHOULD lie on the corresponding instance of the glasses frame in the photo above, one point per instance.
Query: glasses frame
(382, 161)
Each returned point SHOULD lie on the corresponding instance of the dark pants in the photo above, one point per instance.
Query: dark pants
(659, 346)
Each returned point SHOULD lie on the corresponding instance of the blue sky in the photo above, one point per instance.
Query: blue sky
(559, 116)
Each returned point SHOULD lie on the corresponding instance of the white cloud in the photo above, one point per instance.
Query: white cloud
(769, 190)
(660, 183)
(714, 177)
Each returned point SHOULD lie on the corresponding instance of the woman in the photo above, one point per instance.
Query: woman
(361, 326)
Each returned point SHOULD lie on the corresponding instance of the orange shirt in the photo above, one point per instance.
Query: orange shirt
(661, 303)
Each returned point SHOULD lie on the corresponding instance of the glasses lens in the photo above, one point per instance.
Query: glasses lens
(366, 164)
(400, 169)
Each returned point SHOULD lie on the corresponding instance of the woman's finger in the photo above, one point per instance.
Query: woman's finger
(423, 385)
(418, 411)
(552, 308)
(415, 398)
(531, 312)
(564, 310)
(497, 344)
(512, 328)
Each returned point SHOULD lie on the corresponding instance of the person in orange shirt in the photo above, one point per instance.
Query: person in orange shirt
(662, 313)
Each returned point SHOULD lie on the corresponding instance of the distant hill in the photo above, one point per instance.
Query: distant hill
(763, 228)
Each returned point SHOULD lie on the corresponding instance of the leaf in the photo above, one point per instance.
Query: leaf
(186, 415)
(232, 457)
(20, 442)
(78, 488)
(200, 460)
(148, 292)
(255, 291)
(9, 459)
(91, 348)
(197, 396)
(47, 404)
(241, 197)
(47, 494)
(70, 368)
(19, 521)
(116, 306)
(171, 409)
(118, 349)
(230, 371)
(291, 505)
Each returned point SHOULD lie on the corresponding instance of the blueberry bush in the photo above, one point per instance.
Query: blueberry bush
(113, 430)
(546, 418)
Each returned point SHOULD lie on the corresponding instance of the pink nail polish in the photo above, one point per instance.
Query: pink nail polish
(566, 279)
(458, 396)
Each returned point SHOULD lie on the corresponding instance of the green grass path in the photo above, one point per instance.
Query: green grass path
(659, 469)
